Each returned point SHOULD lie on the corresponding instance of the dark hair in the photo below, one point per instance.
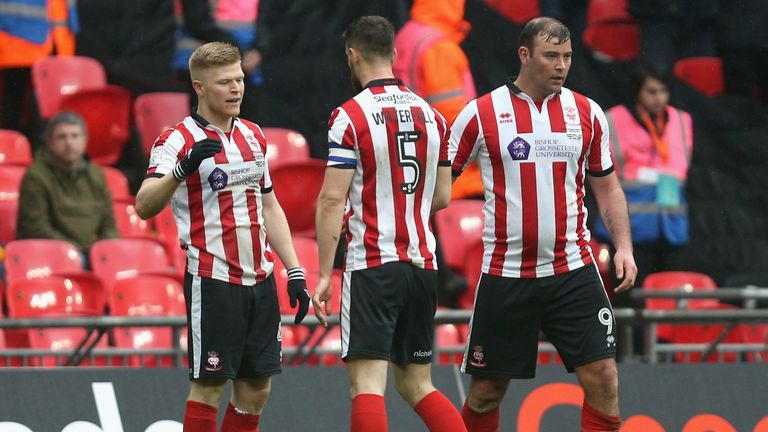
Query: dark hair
(373, 36)
(544, 26)
(641, 72)
(67, 117)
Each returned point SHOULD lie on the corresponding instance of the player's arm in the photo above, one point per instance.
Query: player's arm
(329, 218)
(464, 139)
(442, 189)
(154, 194)
(280, 240)
(612, 205)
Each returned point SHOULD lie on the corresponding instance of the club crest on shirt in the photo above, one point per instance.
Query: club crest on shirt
(478, 357)
(519, 149)
(218, 179)
(214, 362)
(253, 143)
(571, 117)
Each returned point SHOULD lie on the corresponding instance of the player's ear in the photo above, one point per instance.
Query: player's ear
(523, 53)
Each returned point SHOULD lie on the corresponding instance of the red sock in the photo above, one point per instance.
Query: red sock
(475, 422)
(439, 414)
(235, 421)
(199, 417)
(593, 420)
(369, 413)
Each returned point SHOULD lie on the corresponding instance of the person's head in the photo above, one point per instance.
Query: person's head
(648, 88)
(370, 43)
(67, 137)
(545, 55)
(217, 78)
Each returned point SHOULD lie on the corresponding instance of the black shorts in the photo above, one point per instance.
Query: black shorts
(234, 330)
(388, 312)
(571, 309)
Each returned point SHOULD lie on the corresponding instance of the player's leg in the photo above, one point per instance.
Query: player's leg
(367, 383)
(412, 351)
(260, 360)
(502, 344)
(202, 405)
(579, 322)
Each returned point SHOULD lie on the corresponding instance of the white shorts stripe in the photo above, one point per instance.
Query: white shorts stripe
(195, 320)
(345, 302)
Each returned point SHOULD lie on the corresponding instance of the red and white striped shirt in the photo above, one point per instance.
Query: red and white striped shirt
(218, 209)
(394, 141)
(533, 164)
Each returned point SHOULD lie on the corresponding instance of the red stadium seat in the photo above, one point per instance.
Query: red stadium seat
(285, 146)
(10, 182)
(117, 259)
(147, 295)
(117, 184)
(458, 227)
(473, 263)
(447, 336)
(8, 212)
(705, 74)
(155, 112)
(27, 259)
(675, 280)
(168, 235)
(518, 12)
(107, 113)
(129, 223)
(14, 148)
(61, 339)
(297, 186)
(608, 11)
(54, 77)
(56, 296)
(613, 41)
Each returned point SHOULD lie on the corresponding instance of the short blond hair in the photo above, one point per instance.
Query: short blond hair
(210, 55)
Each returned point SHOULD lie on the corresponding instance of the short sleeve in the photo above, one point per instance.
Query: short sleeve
(445, 137)
(165, 153)
(464, 139)
(266, 181)
(599, 160)
(342, 140)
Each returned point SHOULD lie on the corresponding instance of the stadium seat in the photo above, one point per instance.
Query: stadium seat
(705, 74)
(128, 222)
(607, 11)
(10, 182)
(331, 340)
(459, 226)
(107, 113)
(147, 295)
(613, 41)
(155, 112)
(297, 186)
(285, 146)
(54, 77)
(8, 212)
(27, 259)
(62, 339)
(518, 12)
(447, 336)
(117, 259)
(473, 263)
(79, 295)
(674, 280)
(14, 148)
(117, 183)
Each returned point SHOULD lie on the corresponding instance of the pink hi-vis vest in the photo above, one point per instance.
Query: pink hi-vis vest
(411, 42)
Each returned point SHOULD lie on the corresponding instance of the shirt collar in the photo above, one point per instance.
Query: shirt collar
(205, 123)
(384, 82)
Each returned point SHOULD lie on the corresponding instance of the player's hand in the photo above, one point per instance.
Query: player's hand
(626, 270)
(298, 293)
(201, 150)
(321, 299)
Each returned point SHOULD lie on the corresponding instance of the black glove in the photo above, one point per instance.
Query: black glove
(297, 291)
(201, 150)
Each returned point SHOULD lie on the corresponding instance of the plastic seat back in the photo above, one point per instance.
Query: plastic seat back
(458, 227)
(297, 186)
(8, 213)
(26, 259)
(607, 11)
(14, 148)
(705, 74)
(155, 112)
(117, 183)
(473, 269)
(285, 146)
(10, 182)
(56, 296)
(613, 41)
(129, 223)
(54, 77)
(107, 113)
(116, 259)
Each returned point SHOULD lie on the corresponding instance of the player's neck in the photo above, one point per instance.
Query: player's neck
(375, 73)
(223, 122)
(527, 87)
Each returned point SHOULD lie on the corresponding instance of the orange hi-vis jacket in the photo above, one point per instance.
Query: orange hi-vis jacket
(32, 29)
(430, 61)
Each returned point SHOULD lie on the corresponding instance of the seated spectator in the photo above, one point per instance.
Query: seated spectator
(63, 195)
(652, 143)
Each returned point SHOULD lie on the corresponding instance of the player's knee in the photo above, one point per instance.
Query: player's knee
(601, 378)
(413, 390)
(482, 403)
(207, 391)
